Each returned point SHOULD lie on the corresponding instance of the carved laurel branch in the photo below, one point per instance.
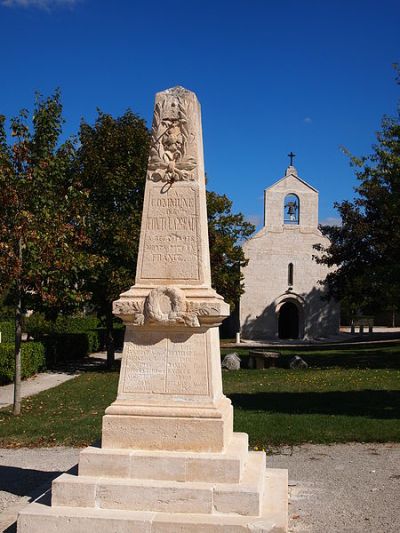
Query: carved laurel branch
(175, 164)
(178, 310)
(132, 308)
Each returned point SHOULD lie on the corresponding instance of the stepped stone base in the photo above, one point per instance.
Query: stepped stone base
(225, 467)
(121, 490)
(37, 518)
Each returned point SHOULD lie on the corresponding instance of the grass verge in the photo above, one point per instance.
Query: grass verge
(345, 395)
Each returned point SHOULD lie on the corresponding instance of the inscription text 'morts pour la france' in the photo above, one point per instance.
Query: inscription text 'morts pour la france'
(167, 366)
(171, 241)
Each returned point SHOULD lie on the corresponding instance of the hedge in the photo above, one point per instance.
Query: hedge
(32, 360)
(7, 328)
(36, 325)
(70, 337)
(66, 346)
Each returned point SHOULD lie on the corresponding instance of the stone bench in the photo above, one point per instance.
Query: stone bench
(361, 323)
(261, 359)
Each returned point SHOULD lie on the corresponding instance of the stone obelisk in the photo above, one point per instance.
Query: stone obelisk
(169, 460)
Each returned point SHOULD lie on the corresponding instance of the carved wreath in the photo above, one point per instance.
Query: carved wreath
(175, 315)
(180, 311)
(169, 160)
(152, 306)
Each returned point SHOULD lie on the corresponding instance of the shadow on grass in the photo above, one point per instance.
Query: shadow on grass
(87, 364)
(367, 403)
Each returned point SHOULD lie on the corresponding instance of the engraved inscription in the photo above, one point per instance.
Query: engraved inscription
(176, 365)
(171, 235)
(186, 367)
(145, 367)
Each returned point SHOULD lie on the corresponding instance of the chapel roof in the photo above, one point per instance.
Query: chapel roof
(292, 171)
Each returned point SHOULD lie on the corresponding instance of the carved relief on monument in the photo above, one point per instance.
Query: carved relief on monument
(167, 306)
(171, 142)
(175, 364)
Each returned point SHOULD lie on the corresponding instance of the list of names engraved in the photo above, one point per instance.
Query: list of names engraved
(171, 235)
(172, 365)
(145, 370)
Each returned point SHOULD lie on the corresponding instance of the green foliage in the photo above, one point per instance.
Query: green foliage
(32, 360)
(111, 165)
(68, 346)
(226, 231)
(37, 325)
(69, 337)
(7, 310)
(42, 230)
(7, 328)
(365, 250)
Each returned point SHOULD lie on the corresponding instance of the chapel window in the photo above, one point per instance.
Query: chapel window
(291, 209)
(290, 274)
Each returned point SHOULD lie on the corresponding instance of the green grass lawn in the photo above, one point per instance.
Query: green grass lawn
(345, 395)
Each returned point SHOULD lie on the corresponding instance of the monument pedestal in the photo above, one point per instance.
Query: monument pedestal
(169, 460)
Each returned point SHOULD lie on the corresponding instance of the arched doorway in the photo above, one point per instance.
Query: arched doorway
(288, 324)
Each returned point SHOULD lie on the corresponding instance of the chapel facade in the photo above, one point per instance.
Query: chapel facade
(283, 297)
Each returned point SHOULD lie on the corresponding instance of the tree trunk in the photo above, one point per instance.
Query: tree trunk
(18, 338)
(110, 346)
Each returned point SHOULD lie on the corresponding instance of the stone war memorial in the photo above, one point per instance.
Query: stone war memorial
(169, 460)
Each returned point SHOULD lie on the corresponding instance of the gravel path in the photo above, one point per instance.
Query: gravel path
(26, 473)
(343, 488)
(332, 489)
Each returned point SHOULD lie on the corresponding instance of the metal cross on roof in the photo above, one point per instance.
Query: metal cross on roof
(292, 156)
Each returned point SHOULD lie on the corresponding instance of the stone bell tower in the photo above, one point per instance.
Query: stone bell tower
(283, 296)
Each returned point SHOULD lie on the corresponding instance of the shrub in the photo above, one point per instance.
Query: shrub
(119, 332)
(32, 360)
(7, 328)
(70, 337)
(65, 346)
(36, 325)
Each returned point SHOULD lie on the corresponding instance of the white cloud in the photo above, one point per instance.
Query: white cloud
(40, 4)
(308, 120)
(331, 221)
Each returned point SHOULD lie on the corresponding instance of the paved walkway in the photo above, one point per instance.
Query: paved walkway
(33, 385)
(48, 380)
(343, 339)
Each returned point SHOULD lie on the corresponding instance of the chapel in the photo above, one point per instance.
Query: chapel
(283, 298)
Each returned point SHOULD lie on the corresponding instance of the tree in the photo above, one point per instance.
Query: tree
(111, 164)
(226, 230)
(41, 223)
(365, 250)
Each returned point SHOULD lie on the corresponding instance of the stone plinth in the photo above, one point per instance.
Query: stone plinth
(169, 460)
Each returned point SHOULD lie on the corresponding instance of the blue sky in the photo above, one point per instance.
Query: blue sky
(306, 75)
